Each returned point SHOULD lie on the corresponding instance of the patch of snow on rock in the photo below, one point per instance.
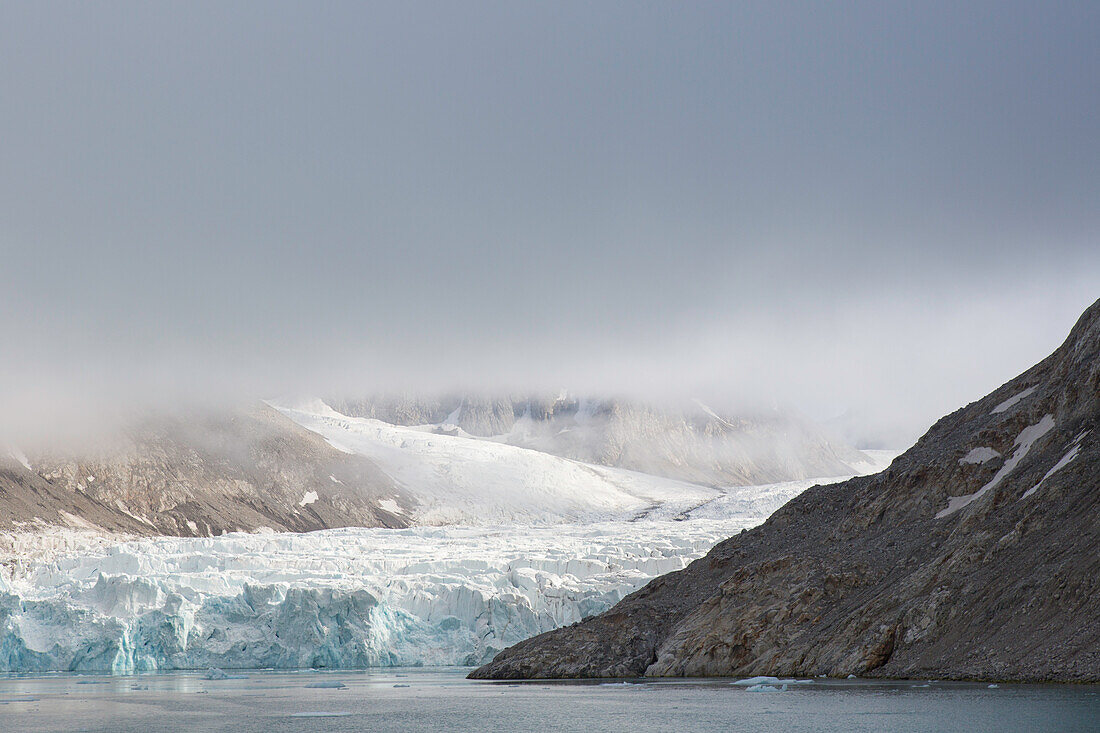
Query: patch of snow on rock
(979, 455)
(1024, 441)
(1057, 466)
(1011, 401)
(308, 498)
(391, 506)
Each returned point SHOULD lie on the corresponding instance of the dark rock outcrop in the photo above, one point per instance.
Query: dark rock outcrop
(976, 554)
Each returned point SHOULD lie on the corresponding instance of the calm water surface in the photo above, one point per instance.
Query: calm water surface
(434, 699)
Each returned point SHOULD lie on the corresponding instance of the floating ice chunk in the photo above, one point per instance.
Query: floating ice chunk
(1024, 441)
(326, 685)
(979, 455)
(752, 681)
(308, 498)
(993, 687)
(766, 688)
(1011, 401)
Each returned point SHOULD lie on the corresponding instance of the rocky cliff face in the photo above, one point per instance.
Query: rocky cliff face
(975, 555)
(193, 475)
(693, 443)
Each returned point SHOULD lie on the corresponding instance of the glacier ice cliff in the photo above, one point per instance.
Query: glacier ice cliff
(84, 601)
(347, 598)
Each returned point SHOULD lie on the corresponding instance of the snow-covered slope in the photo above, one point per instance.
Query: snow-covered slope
(689, 441)
(460, 479)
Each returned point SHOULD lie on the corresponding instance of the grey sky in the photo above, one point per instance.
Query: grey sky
(838, 205)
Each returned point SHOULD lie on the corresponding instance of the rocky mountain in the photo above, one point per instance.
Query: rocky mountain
(305, 467)
(200, 474)
(974, 555)
(693, 443)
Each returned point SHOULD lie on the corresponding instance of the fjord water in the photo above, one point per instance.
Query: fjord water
(438, 699)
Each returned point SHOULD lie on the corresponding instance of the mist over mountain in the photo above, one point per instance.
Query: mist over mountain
(210, 470)
(689, 440)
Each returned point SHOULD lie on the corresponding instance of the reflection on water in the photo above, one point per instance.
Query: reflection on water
(432, 699)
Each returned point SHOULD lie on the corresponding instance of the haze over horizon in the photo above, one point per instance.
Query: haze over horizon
(880, 211)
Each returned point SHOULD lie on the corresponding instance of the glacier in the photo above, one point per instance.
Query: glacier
(457, 478)
(544, 554)
(348, 598)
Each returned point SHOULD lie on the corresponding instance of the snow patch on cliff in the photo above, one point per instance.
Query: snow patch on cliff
(1011, 401)
(1027, 437)
(979, 455)
(1075, 447)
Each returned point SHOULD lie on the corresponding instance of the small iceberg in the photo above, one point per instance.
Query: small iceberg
(766, 688)
(756, 681)
(326, 686)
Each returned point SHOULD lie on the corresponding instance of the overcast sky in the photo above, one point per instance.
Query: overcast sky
(855, 207)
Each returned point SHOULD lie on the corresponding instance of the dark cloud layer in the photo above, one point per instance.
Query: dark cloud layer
(863, 207)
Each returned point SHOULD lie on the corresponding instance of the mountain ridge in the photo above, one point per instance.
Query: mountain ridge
(972, 557)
